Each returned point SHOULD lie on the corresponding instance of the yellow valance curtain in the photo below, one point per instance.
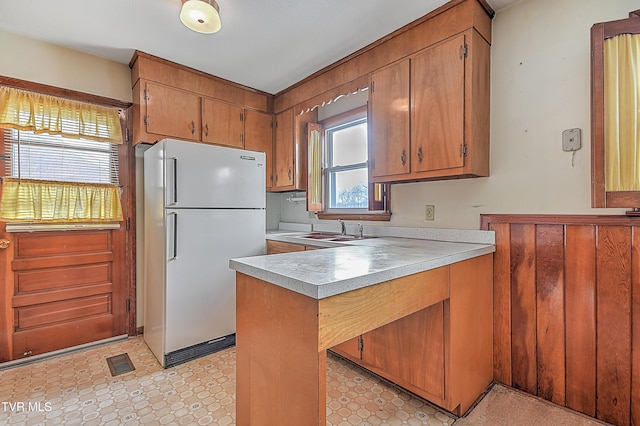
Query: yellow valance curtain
(40, 113)
(622, 112)
(314, 179)
(27, 200)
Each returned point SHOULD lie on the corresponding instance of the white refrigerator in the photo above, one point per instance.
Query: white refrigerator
(203, 205)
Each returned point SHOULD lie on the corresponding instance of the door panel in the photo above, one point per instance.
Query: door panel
(437, 121)
(63, 291)
(221, 123)
(389, 123)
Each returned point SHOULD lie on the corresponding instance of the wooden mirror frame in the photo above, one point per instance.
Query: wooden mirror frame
(600, 197)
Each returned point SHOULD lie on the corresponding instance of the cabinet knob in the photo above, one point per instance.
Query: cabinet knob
(403, 157)
(420, 155)
(4, 243)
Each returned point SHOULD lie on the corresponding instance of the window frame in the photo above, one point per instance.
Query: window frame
(383, 213)
(600, 197)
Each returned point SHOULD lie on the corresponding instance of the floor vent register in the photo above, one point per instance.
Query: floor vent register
(120, 364)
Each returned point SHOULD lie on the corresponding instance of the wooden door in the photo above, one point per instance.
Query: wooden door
(222, 123)
(258, 136)
(437, 110)
(172, 112)
(284, 159)
(60, 289)
(389, 120)
(410, 350)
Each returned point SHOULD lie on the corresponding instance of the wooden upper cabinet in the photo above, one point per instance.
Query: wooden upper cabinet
(429, 113)
(258, 136)
(389, 120)
(284, 151)
(222, 123)
(171, 112)
(437, 110)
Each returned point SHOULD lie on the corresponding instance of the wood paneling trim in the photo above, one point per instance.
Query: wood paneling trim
(57, 278)
(599, 220)
(635, 328)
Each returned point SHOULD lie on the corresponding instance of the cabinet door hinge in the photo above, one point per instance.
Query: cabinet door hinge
(241, 117)
(373, 86)
(128, 225)
(128, 305)
(463, 150)
(126, 135)
(145, 120)
(146, 95)
(464, 51)
(360, 345)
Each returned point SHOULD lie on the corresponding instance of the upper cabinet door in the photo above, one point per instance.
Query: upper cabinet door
(284, 147)
(437, 110)
(222, 123)
(258, 136)
(389, 120)
(172, 112)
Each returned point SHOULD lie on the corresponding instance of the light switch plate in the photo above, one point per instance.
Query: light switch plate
(571, 140)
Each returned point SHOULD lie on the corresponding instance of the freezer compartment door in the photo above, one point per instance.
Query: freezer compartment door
(200, 288)
(200, 175)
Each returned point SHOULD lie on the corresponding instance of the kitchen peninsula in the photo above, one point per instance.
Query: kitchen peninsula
(424, 307)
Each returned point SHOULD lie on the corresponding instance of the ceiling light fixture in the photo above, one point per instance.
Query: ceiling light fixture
(202, 16)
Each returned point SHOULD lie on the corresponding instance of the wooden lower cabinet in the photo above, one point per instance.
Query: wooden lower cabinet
(274, 247)
(442, 353)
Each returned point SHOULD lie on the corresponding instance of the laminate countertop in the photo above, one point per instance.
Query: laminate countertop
(347, 266)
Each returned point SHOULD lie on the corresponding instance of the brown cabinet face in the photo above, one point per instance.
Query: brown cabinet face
(389, 121)
(437, 107)
(222, 123)
(410, 350)
(258, 136)
(284, 160)
(274, 247)
(171, 112)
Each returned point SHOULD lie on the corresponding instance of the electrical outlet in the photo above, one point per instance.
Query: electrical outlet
(429, 212)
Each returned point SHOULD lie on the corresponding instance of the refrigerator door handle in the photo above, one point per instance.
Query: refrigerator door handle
(173, 243)
(172, 185)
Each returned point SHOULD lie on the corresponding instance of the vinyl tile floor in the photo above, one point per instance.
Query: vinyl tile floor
(77, 389)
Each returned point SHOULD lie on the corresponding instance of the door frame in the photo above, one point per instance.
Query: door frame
(126, 233)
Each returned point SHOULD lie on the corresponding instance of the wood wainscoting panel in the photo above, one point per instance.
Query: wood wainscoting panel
(523, 312)
(567, 311)
(580, 317)
(613, 328)
(549, 312)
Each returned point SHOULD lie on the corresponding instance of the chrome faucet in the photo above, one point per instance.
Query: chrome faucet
(343, 227)
(359, 230)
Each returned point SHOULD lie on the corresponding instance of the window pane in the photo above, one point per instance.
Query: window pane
(349, 189)
(350, 145)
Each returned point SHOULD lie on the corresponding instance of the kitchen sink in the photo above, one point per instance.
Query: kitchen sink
(335, 237)
(321, 236)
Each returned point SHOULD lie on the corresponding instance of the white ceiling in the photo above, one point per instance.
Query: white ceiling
(267, 45)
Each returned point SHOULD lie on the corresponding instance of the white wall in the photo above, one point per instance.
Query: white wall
(36, 61)
(540, 86)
